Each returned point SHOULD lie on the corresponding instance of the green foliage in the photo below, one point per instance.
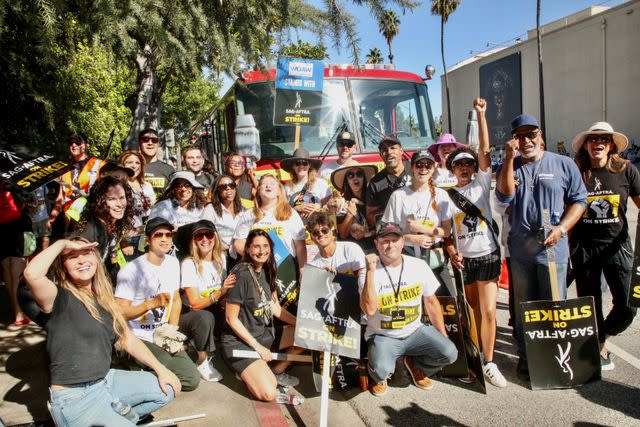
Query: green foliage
(304, 50)
(389, 26)
(444, 8)
(374, 56)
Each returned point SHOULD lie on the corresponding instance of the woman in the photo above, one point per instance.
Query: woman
(106, 219)
(251, 305)
(600, 241)
(477, 253)
(420, 210)
(352, 183)
(306, 190)
(143, 195)
(224, 209)
(440, 151)
(201, 279)
(182, 202)
(272, 212)
(83, 323)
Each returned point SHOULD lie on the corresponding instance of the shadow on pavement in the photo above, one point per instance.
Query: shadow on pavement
(613, 395)
(415, 415)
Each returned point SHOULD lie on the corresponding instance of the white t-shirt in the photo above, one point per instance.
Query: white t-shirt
(327, 168)
(225, 224)
(443, 178)
(288, 230)
(320, 189)
(206, 282)
(347, 259)
(140, 280)
(417, 281)
(178, 216)
(473, 235)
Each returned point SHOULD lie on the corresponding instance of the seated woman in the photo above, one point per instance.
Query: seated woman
(251, 304)
(201, 279)
(83, 324)
(306, 191)
(352, 220)
(182, 202)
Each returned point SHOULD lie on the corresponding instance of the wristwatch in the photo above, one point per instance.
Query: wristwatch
(562, 229)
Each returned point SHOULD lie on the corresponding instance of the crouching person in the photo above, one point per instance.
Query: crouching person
(83, 323)
(149, 298)
(392, 295)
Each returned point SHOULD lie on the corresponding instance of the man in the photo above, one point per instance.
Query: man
(393, 292)
(193, 160)
(156, 172)
(346, 146)
(75, 184)
(529, 183)
(394, 175)
(246, 182)
(149, 298)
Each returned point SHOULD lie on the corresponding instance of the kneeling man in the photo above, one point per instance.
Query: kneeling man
(393, 293)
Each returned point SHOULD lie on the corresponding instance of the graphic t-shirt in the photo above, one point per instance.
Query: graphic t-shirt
(225, 224)
(473, 234)
(288, 230)
(320, 189)
(178, 216)
(207, 281)
(327, 168)
(140, 280)
(347, 259)
(605, 216)
(443, 178)
(157, 174)
(400, 307)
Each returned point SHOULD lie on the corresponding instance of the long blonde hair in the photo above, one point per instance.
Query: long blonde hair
(216, 255)
(102, 293)
(282, 211)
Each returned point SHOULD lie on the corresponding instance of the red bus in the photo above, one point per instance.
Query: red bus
(370, 102)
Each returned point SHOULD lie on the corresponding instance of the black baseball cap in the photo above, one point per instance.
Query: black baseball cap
(422, 155)
(154, 223)
(388, 140)
(203, 224)
(116, 167)
(386, 228)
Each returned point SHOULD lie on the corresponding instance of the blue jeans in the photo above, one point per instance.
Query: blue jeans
(531, 283)
(430, 350)
(90, 403)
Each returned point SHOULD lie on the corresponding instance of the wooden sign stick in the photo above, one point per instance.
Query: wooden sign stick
(551, 257)
(248, 354)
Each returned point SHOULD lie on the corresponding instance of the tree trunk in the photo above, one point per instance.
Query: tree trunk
(540, 75)
(446, 80)
(390, 53)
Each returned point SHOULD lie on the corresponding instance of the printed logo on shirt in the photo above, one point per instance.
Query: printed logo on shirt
(156, 182)
(400, 316)
(546, 176)
(155, 317)
(406, 294)
(473, 225)
(278, 229)
(602, 209)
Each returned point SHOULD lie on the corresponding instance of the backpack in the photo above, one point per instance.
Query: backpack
(11, 205)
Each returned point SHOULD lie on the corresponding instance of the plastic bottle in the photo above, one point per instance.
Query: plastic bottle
(125, 410)
(289, 399)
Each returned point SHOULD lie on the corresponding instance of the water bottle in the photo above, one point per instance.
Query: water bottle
(289, 399)
(473, 140)
(125, 410)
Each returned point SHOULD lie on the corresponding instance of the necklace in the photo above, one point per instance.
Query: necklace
(396, 290)
(534, 174)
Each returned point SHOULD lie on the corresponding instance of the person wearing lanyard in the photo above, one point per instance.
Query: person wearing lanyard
(393, 292)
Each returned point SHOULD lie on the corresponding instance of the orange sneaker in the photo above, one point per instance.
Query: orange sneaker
(419, 379)
(379, 389)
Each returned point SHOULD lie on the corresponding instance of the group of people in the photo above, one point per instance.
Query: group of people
(155, 261)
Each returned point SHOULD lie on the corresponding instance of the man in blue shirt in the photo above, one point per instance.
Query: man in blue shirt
(530, 183)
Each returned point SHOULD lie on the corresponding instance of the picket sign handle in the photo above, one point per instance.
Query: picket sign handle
(297, 139)
(324, 399)
(173, 421)
(248, 354)
(551, 258)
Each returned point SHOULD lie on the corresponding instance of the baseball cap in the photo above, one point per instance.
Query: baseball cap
(203, 224)
(524, 120)
(345, 136)
(154, 223)
(386, 228)
(116, 167)
(388, 140)
(422, 155)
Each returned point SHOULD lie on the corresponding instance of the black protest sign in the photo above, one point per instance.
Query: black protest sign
(297, 107)
(453, 325)
(287, 286)
(634, 289)
(561, 339)
(29, 172)
(344, 372)
(328, 313)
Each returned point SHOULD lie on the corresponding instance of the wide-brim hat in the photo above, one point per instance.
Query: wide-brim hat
(601, 128)
(187, 176)
(299, 154)
(116, 167)
(339, 175)
(445, 138)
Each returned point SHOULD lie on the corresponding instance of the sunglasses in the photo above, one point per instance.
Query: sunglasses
(153, 139)
(597, 138)
(229, 186)
(532, 134)
(235, 163)
(323, 231)
(209, 235)
(301, 163)
(162, 235)
(424, 165)
(76, 142)
(355, 174)
(347, 144)
(465, 164)
(183, 185)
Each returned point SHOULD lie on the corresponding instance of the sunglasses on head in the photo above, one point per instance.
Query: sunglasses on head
(162, 234)
(301, 163)
(597, 138)
(227, 186)
(424, 165)
(153, 139)
(347, 144)
(209, 235)
(355, 174)
(183, 185)
(322, 231)
(529, 135)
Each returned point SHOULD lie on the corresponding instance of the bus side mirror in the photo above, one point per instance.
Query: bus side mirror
(247, 137)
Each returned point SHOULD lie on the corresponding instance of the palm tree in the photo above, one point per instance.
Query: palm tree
(389, 27)
(374, 56)
(444, 8)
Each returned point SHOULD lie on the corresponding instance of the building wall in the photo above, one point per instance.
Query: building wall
(586, 80)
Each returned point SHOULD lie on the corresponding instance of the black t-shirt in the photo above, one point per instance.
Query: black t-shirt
(384, 183)
(605, 216)
(245, 189)
(157, 174)
(205, 179)
(79, 346)
(251, 306)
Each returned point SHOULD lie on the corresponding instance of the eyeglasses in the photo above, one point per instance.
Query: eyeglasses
(347, 144)
(323, 231)
(424, 165)
(355, 174)
(209, 235)
(301, 163)
(235, 163)
(162, 235)
(532, 134)
(153, 139)
(597, 138)
(228, 186)
(465, 164)
(183, 185)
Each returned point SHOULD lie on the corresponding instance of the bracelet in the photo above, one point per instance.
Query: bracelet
(562, 229)
(212, 298)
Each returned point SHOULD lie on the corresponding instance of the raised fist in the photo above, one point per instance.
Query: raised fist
(600, 207)
(480, 105)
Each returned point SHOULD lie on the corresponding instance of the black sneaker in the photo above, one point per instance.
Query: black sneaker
(606, 364)
(522, 371)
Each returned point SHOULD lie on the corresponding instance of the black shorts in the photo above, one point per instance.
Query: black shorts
(486, 267)
(231, 342)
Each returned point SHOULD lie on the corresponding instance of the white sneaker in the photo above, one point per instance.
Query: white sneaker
(492, 373)
(208, 372)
